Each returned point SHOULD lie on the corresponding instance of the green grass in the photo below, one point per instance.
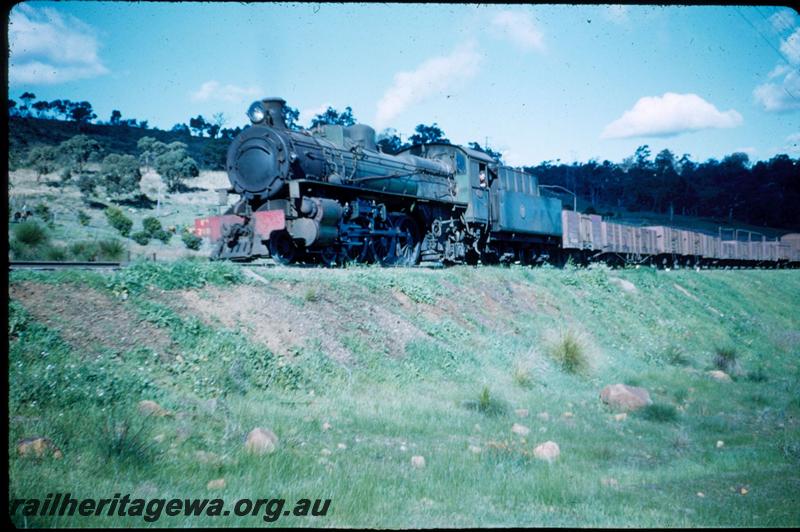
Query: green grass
(480, 352)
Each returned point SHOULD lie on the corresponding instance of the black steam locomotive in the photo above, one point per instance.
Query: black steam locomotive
(330, 195)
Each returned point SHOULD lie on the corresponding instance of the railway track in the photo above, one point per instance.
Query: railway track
(58, 265)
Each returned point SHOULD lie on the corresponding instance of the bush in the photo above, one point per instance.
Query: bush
(191, 240)
(151, 225)
(175, 165)
(42, 211)
(77, 151)
(141, 237)
(55, 253)
(30, 233)
(675, 355)
(725, 360)
(162, 235)
(84, 218)
(570, 353)
(86, 184)
(522, 377)
(120, 174)
(43, 160)
(118, 220)
(661, 413)
(111, 249)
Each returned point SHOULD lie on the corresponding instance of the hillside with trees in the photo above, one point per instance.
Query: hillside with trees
(731, 190)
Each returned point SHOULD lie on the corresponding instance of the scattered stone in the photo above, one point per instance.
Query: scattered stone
(625, 397)
(261, 441)
(216, 484)
(620, 417)
(521, 412)
(543, 416)
(719, 375)
(743, 490)
(341, 446)
(521, 430)
(418, 462)
(609, 482)
(151, 408)
(701, 494)
(205, 457)
(720, 444)
(159, 438)
(474, 449)
(403, 448)
(626, 286)
(326, 427)
(38, 447)
(325, 452)
(547, 451)
(567, 415)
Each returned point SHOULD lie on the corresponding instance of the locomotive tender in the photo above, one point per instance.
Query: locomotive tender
(330, 195)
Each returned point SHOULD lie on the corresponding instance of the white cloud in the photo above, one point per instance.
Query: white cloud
(47, 47)
(669, 115)
(213, 90)
(618, 14)
(432, 77)
(780, 96)
(793, 143)
(307, 114)
(783, 20)
(790, 47)
(519, 28)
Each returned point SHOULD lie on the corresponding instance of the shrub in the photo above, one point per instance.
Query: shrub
(84, 218)
(758, 375)
(55, 253)
(151, 225)
(120, 174)
(84, 250)
(570, 353)
(118, 220)
(659, 412)
(175, 165)
(111, 249)
(42, 211)
(725, 359)
(676, 356)
(141, 237)
(522, 377)
(162, 235)
(191, 240)
(86, 184)
(30, 233)
(43, 160)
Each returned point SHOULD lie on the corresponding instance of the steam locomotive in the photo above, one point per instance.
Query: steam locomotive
(330, 196)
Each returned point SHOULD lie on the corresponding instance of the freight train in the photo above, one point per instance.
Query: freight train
(331, 196)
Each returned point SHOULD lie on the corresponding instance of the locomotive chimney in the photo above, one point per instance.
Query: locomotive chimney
(273, 107)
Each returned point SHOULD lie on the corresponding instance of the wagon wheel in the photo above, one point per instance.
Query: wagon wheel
(282, 248)
(329, 256)
(383, 249)
(407, 244)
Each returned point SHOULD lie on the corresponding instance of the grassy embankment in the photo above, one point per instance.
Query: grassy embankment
(413, 362)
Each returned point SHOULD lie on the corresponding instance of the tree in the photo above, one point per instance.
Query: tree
(77, 151)
(389, 142)
(181, 128)
(81, 112)
(60, 108)
(219, 120)
(175, 165)
(427, 135)
(27, 98)
(12, 108)
(496, 155)
(120, 174)
(43, 160)
(333, 117)
(198, 125)
(116, 116)
(291, 116)
(41, 108)
(149, 150)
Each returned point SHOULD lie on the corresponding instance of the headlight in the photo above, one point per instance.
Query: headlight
(256, 112)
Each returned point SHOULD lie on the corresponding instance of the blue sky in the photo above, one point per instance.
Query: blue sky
(541, 82)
